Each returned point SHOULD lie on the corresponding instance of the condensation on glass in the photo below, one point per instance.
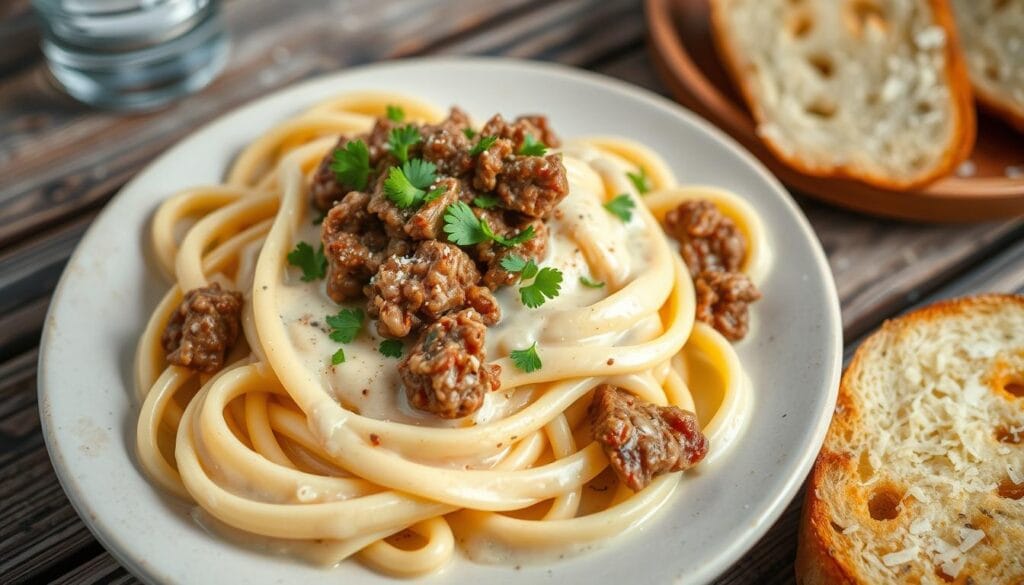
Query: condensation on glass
(132, 54)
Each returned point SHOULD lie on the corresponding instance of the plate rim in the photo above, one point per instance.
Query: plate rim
(831, 362)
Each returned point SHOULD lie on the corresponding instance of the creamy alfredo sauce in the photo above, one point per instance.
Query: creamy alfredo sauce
(585, 240)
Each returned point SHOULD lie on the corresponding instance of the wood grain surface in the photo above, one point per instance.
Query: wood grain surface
(59, 162)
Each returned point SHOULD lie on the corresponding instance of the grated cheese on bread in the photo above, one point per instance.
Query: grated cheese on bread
(874, 90)
(992, 34)
(923, 454)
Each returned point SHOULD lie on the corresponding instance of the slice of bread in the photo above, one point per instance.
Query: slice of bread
(992, 35)
(921, 478)
(874, 90)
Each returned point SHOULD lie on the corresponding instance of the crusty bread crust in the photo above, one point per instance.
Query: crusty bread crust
(824, 552)
(956, 76)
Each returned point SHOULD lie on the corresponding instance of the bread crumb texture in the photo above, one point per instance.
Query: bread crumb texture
(992, 34)
(921, 478)
(855, 87)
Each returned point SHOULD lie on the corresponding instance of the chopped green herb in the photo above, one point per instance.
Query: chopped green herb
(395, 113)
(527, 359)
(319, 219)
(469, 133)
(485, 143)
(527, 269)
(338, 357)
(466, 229)
(532, 147)
(351, 165)
(434, 194)
(400, 139)
(640, 180)
(345, 325)
(312, 263)
(391, 348)
(486, 201)
(463, 228)
(406, 186)
(546, 285)
(621, 207)
(523, 236)
(585, 281)
(421, 173)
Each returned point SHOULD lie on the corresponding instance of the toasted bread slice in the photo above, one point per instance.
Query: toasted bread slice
(874, 90)
(921, 476)
(992, 35)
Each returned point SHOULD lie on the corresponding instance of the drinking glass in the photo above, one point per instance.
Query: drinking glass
(132, 54)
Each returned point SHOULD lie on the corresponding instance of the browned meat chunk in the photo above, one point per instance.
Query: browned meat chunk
(446, 371)
(536, 126)
(643, 440)
(491, 163)
(723, 300)
(427, 223)
(325, 190)
(490, 254)
(438, 279)
(446, 145)
(355, 244)
(377, 143)
(203, 328)
(533, 185)
(708, 240)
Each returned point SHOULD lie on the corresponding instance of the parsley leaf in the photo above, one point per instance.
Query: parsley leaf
(640, 180)
(527, 269)
(523, 236)
(486, 201)
(548, 283)
(621, 207)
(400, 139)
(421, 173)
(462, 227)
(338, 357)
(395, 113)
(466, 229)
(532, 147)
(433, 194)
(391, 348)
(351, 165)
(469, 133)
(405, 186)
(312, 263)
(345, 325)
(485, 143)
(587, 282)
(527, 359)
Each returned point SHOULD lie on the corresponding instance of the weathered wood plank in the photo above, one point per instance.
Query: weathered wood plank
(54, 165)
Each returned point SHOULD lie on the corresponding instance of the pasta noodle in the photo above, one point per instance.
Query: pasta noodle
(327, 463)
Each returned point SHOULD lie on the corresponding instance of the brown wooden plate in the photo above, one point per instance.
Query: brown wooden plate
(684, 52)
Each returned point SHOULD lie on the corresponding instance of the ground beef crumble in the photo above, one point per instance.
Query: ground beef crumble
(708, 240)
(400, 262)
(714, 249)
(439, 278)
(723, 300)
(445, 372)
(203, 328)
(643, 440)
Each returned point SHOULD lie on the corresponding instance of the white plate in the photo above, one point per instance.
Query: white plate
(89, 412)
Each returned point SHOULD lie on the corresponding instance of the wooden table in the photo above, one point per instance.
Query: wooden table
(60, 162)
